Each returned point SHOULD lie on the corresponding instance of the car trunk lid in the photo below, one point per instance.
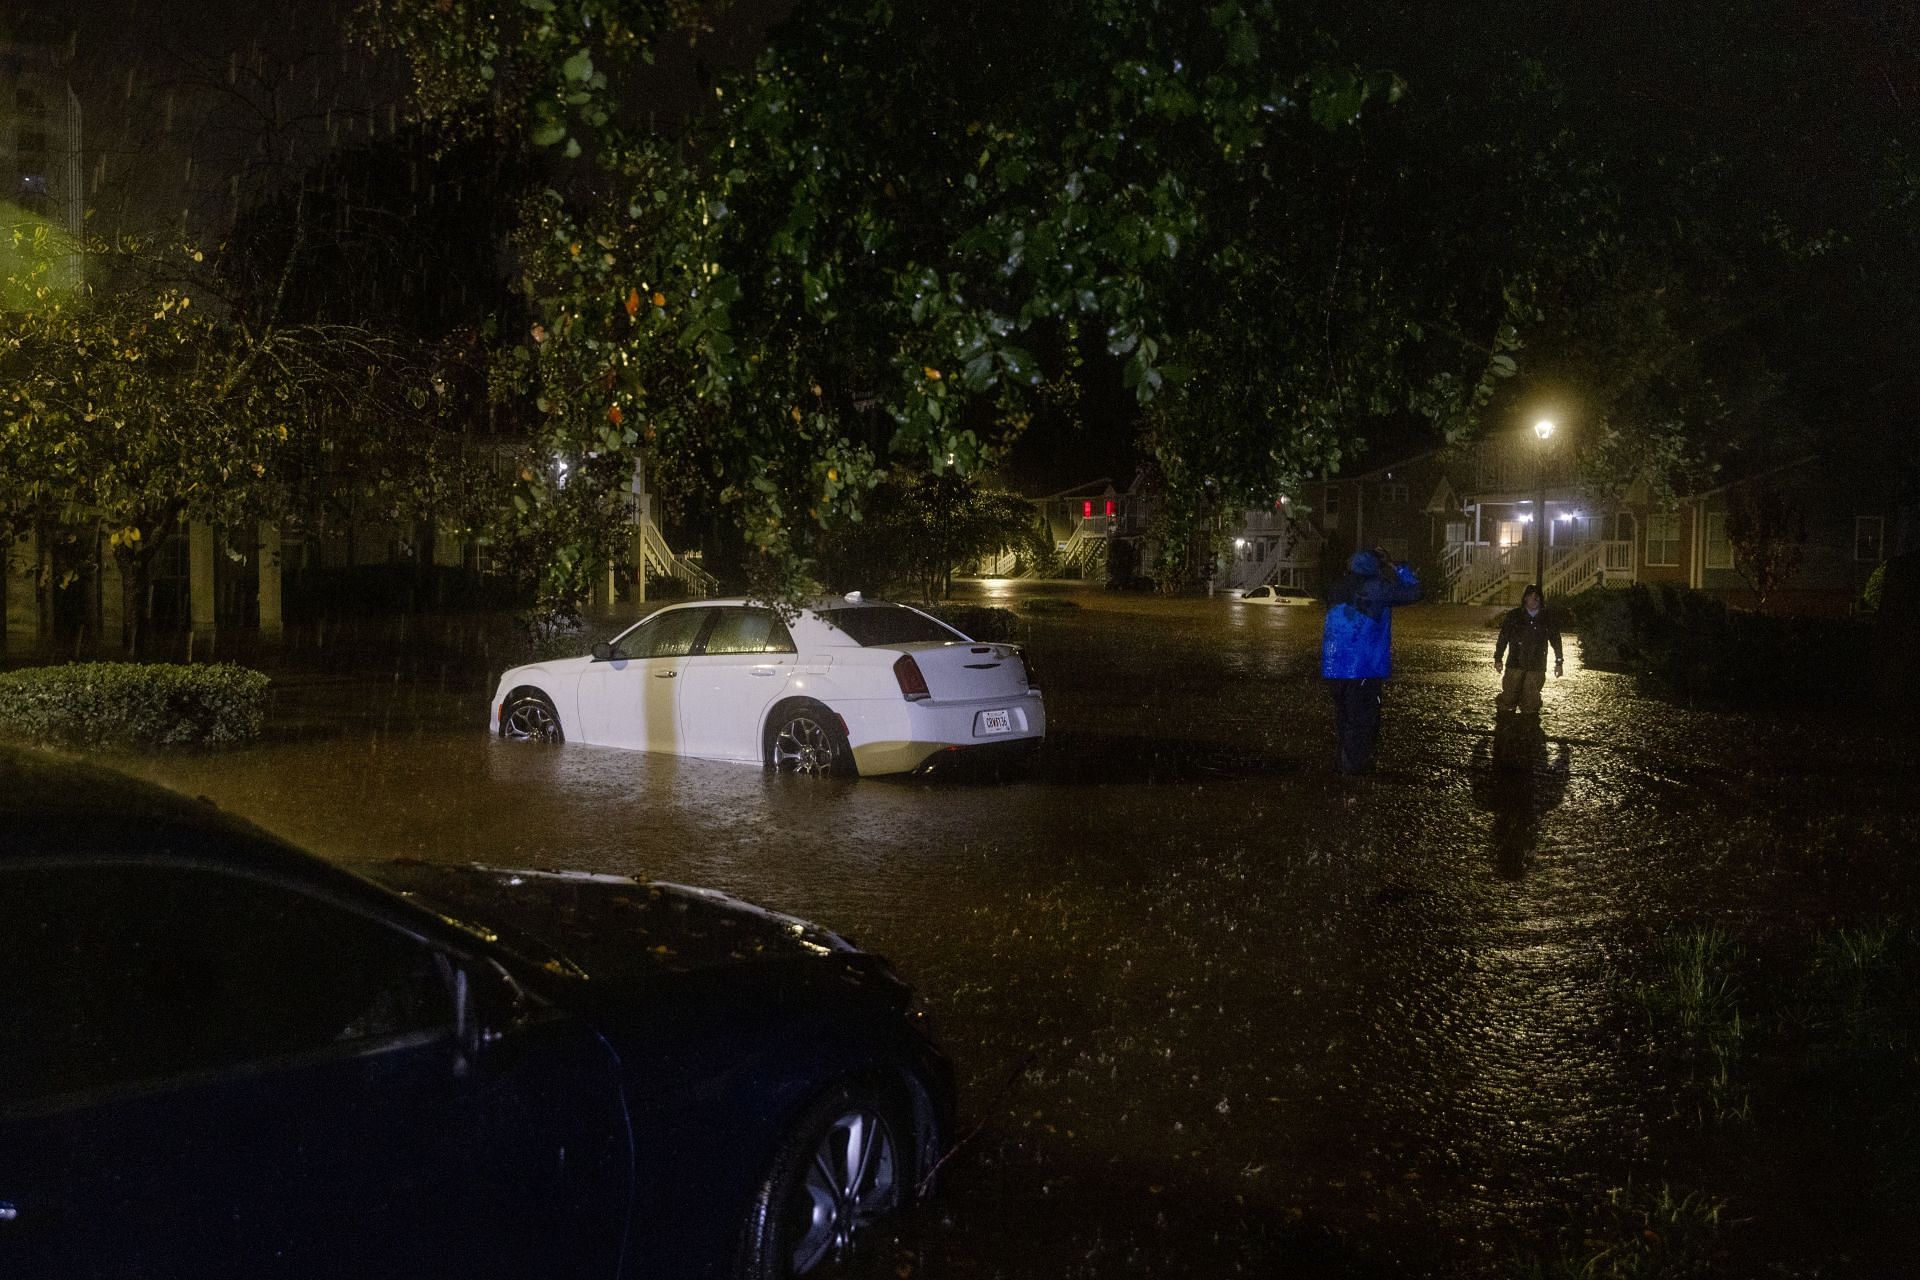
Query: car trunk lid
(969, 672)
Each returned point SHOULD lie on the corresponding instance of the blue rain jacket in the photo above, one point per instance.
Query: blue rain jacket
(1358, 640)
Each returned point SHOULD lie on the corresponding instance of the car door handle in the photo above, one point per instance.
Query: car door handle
(765, 671)
(665, 675)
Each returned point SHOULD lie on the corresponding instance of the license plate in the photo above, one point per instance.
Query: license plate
(996, 722)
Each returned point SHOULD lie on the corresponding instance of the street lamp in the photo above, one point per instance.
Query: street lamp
(1543, 429)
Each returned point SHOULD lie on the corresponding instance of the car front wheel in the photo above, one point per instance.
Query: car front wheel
(846, 1163)
(529, 717)
(807, 738)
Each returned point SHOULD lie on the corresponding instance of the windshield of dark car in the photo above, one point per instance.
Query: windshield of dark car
(870, 625)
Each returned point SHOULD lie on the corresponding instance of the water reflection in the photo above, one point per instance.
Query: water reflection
(1518, 775)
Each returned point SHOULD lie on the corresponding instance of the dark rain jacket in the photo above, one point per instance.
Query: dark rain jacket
(1357, 641)
(1528, 638)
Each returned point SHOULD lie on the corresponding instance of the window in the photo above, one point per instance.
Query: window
(1086, 509)
(1663, 538)
(1456, 531)
(125, 974)
(1719, 548)
(870, 625)
(1868, 534)
(748, 631)
(1109, 508)
(664, 635)
(1332, 504)
(1393, 494)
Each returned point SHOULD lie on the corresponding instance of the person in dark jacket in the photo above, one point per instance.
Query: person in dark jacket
(1525, 634)
(1356, 650)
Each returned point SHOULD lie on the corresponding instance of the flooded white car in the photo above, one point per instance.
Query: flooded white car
(1275, 595)
(844, 686)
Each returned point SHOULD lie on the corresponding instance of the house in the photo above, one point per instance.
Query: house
(1480, 521)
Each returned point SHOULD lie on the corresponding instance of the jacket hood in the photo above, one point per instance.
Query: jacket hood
(1364, 563)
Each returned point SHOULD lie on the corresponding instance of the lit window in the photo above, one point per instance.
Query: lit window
(1663, 538)
(1109, 506)
(1086, 509)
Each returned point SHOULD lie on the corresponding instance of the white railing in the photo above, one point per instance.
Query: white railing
(1000, 565)
(1088, 544)
(655, 553)
(1572, 569)
(1478, 570)
(1619, 563)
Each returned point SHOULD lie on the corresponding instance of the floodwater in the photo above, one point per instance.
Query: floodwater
(1214, 1010)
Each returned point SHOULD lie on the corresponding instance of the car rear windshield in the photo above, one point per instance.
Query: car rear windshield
(888, 624)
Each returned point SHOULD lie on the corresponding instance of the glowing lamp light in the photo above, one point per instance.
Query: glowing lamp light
(1543, 428)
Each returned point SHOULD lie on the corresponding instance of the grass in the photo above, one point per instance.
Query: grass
(1641, 1236)
(1692, 1001)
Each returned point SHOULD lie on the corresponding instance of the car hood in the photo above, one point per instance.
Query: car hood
(606, 926)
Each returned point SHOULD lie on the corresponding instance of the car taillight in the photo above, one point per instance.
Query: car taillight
(913, 685)
(1033, 677)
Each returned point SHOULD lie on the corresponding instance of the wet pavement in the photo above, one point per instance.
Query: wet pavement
(1215, 1010)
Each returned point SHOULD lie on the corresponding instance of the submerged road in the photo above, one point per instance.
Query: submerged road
(1215, 1010)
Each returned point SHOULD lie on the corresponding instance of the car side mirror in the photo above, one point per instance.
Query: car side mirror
(603, 652)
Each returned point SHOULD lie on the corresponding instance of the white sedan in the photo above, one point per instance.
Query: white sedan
(1274, 595)
(845, 686)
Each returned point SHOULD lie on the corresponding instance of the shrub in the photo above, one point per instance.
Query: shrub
(128, 704)
(1689, 645)
(982, 622)
(550, 631)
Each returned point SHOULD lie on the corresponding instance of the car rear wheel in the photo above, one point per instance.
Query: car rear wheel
(846, 1163)
(807, 738)
(530, 717)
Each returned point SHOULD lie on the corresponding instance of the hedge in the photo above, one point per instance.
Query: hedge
(1688, 645)
(129, 704)
(977, 621)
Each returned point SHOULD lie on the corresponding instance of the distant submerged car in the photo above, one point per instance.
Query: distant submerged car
(1275, 595)
(845, 686)
(223, 1058)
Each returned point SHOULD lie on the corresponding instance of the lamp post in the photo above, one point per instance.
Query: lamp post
(1543, 429)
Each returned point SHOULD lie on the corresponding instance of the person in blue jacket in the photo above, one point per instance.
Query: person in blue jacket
(1356, 649)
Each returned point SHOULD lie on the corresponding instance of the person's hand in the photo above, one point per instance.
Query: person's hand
(1559, 666)
(1496, 666)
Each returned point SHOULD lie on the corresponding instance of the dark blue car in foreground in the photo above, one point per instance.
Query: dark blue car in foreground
(220, 1056)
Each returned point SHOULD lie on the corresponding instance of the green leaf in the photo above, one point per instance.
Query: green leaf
(579, 68)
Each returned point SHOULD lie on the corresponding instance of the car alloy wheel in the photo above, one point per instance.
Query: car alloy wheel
(807, 742)
(852, 1179)
(845, 1164)
(530, 718)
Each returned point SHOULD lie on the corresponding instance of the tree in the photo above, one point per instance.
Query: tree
(133, 410)
(891, 233)
(1768, 533)
(917, 528)
(905, 225)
